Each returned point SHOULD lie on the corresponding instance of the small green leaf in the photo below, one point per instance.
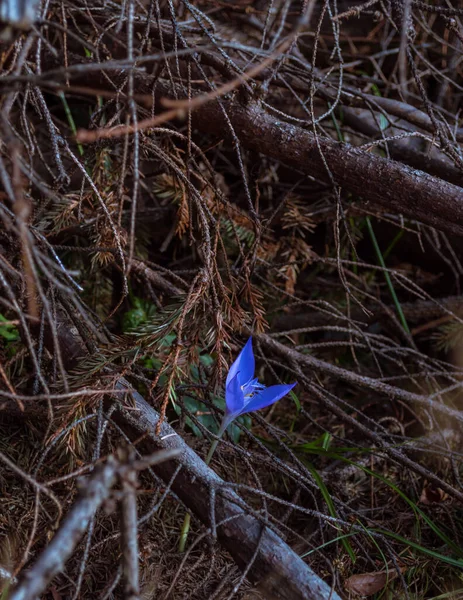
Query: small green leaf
(296, 400)
(234, 431)
(206, 360)
(8, 332)
(326, 441)
(383, 122)
(141, 313)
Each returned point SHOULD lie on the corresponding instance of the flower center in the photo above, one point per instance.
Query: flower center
(251, 388)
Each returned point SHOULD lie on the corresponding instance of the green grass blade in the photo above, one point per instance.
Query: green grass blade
(71, 121)
(416, 509)
(390, 285)
(331, 508)
(455, 562)
(336, 539)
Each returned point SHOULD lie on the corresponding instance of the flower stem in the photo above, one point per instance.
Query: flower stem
(210, 454)
(187, 519)
(184, 533)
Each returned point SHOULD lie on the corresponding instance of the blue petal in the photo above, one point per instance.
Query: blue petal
(234, 397)
(244, 365)
(267, 397)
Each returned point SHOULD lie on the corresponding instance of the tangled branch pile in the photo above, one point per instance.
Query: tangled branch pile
(177, 175)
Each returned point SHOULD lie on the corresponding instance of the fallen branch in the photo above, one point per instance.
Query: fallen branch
(381, 182)
(129, 535)
(52, 560)
(92, 495)
(278, 570)
(378, 181)
(402, 150)
(362, 381)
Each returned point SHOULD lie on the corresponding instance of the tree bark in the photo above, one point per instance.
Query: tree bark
(379, 182)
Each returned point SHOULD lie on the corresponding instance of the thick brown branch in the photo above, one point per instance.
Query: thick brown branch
(376, 180)
(434, 163)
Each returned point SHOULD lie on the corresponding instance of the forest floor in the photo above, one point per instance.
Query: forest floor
(177, 176)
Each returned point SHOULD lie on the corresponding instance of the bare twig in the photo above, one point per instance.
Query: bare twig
(93, 492)
(96, 490)
(129, 534)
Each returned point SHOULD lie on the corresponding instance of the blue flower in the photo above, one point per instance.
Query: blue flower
(243, 393)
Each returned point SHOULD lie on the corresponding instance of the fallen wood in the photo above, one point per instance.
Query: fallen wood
(93, 492)
(311, 363)
(379, 182)
(97, 489)
(276, 568)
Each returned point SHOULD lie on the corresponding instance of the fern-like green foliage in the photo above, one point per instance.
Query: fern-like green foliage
(232, 230)
(142, 312)
(145, 323)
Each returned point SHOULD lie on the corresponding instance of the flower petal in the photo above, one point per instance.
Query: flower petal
(244, 364)
(234, 397)
(267, 397)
